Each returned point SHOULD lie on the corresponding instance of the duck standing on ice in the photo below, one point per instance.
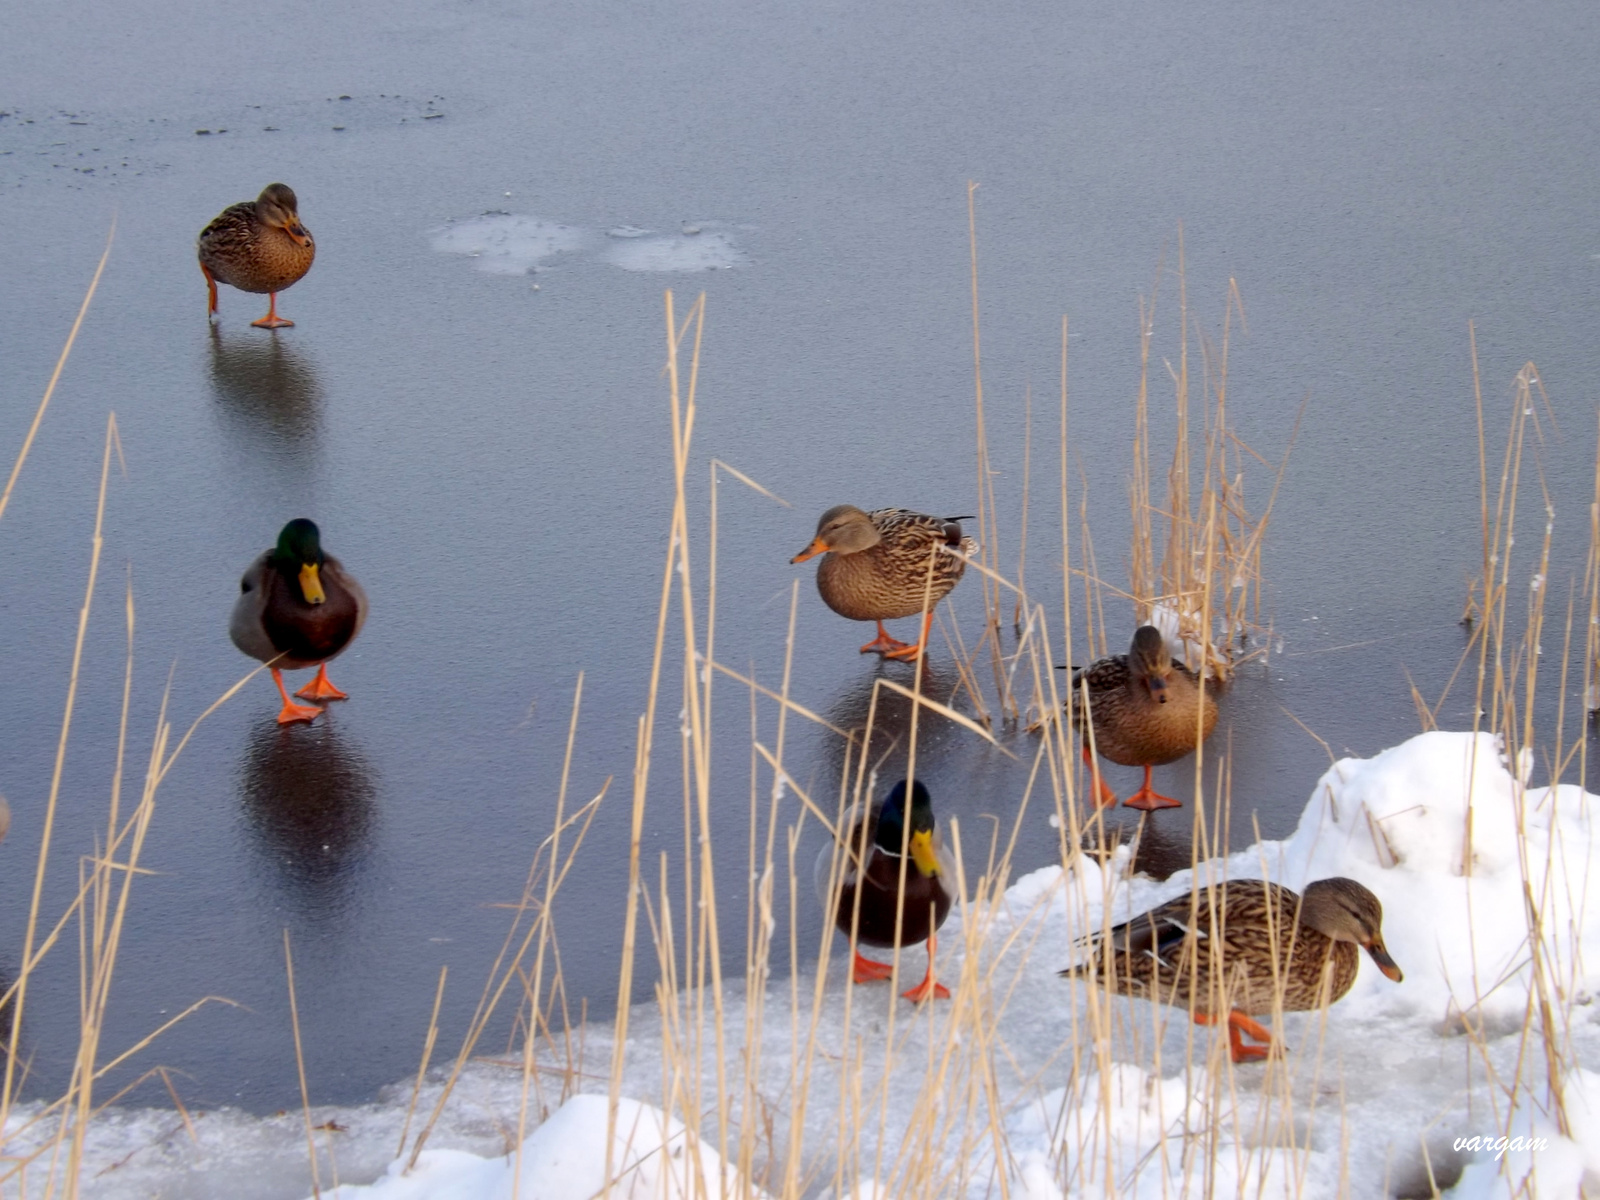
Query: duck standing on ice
(885, 883)
(875, 567)
(1146, 710)
(257, 246)
(300, 607)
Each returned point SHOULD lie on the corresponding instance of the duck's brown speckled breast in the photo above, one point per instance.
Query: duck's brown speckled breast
(243, 253)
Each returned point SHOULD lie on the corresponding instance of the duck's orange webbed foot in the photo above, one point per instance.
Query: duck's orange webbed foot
(884, 644)
(864, 970)
(272, 320)
(321, 688)
(1238, 1026)
(1104, 797)
(1147, 799)
(928, 989)
(292, 712)
(905, 653)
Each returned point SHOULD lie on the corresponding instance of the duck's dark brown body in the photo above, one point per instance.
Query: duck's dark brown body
(271, 616)
(927, 903)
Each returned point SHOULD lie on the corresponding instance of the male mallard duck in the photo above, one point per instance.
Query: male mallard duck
(1269, 938)
(875, 567)
(1147, 712)
(258, 246)
(866, 897)
(297, 602)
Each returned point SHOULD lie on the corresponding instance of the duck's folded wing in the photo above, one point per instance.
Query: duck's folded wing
(1158, 934)
(839, 865)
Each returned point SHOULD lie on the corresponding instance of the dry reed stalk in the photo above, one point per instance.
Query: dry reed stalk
(427, 1054)
(55, 375)
(300, 1067)
(988, 529)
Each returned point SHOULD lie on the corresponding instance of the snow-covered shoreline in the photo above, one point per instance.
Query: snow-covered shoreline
(1371, 1097)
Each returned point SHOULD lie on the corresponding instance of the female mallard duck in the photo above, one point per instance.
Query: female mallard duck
(1148, 710)
(864, 900)
(300, 607)
(258, 246)
(875, 568)
(1268, 939)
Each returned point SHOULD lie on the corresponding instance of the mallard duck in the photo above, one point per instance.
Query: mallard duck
(1270, 938)
(864, 900)
(875, 568)
(1147, 712)
(300, 607)
(257, 246)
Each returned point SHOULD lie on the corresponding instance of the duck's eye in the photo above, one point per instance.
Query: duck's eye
(244, 586)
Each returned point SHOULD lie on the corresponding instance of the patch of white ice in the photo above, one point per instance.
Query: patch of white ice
(709, 251)
(509, 243)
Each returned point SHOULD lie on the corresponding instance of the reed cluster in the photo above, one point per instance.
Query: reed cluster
(806, 1084)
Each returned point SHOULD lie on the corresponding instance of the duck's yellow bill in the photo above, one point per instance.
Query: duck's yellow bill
(922, 853)
(311, 585)
(818, 546)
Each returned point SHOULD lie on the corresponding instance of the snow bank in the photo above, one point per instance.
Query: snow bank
(653, 1158)
(1388, 1085)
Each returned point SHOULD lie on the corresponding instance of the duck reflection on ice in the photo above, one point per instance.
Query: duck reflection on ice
(311, 804)
(268, 393)
(890, 736)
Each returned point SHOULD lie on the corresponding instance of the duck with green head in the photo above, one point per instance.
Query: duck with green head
(896, 839)
(298, 607)
(257, 246)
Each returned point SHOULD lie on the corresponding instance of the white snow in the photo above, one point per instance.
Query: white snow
(652, 1159)
(1372, 1095)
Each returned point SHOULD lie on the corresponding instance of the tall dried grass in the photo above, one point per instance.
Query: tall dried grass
(810, 1084)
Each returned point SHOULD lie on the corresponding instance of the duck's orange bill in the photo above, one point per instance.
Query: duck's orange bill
(310, 584)
(922, 853)
(1385, 964)
(818, 546)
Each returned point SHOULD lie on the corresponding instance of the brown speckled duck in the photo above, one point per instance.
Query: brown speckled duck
(1249, 939)
(1146, 709)
(868, 903)
(300, 603)
(875, 567)
(257, 246)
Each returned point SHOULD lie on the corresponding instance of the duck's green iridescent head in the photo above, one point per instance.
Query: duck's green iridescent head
(890, 836)
(299, 557)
